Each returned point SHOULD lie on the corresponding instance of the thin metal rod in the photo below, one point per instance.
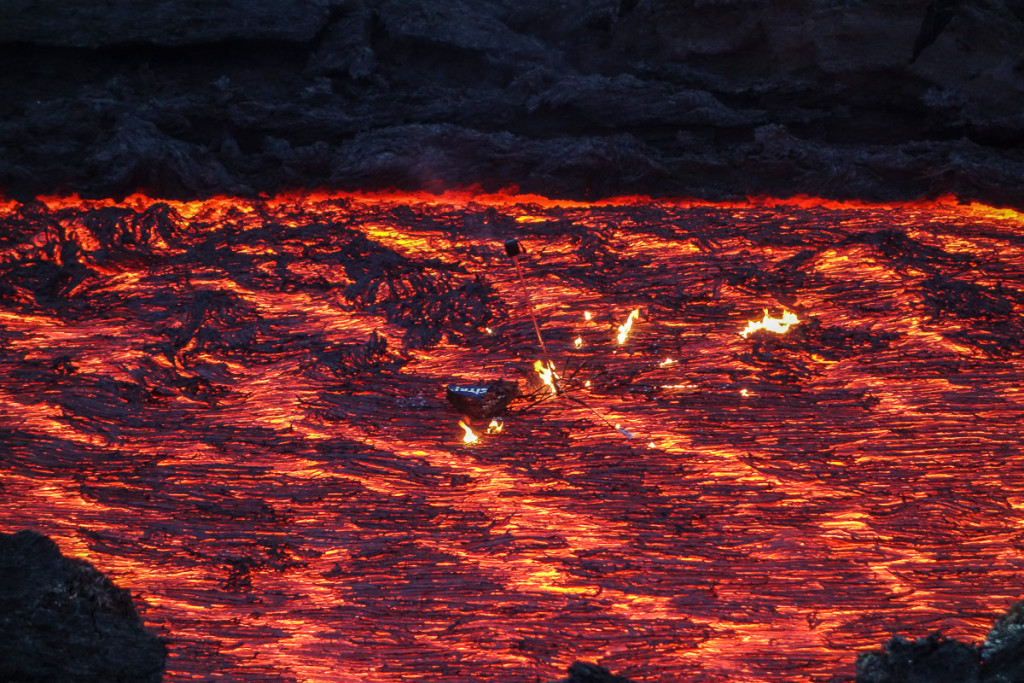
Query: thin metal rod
(536, 325)
(547, 357)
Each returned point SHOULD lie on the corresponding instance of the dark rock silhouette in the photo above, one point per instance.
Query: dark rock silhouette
(584, 672)
(586, 98)
(924, 660)
(61, 620)
(934, 659)
(1003, 650)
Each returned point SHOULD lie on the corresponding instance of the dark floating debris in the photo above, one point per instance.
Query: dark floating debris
(482, 401)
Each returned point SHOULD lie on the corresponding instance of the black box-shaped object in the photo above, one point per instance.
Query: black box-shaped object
(481, 400)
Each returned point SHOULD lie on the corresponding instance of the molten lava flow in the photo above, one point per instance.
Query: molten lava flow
(236, 408)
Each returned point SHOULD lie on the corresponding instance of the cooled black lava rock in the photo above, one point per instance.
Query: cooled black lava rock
(926, 660)
(583, 98)
(482, 400)
(935, 659)
(584, 672)
(61, 620)
(1003, 651)
(113, 22)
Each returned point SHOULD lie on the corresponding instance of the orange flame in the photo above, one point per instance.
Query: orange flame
(627, 326)
(777, 325)
(547, 375)
(470, 436)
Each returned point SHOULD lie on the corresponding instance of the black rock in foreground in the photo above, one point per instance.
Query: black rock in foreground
(584, 672)
(935, 659)
(61, 620)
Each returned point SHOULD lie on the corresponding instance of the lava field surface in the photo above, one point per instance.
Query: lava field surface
(808, 438)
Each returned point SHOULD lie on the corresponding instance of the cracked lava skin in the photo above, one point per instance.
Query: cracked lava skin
(807, 437)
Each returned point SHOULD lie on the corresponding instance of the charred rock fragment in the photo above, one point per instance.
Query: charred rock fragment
(482, 401)
(61, 620)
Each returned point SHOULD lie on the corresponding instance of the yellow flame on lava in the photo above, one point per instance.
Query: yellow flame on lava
(495, 426)
(547, 375)
(587, 316)
(625, 327)
(665, 363)
(577, 342)
(777, 325)
(469, 436)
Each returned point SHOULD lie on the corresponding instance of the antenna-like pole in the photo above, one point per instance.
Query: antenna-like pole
(514, 251)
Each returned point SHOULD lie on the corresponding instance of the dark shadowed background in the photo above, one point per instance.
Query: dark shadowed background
(583, 98)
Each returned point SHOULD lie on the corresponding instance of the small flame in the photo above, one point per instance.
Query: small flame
(587, 384)
(495, 426)
(587, 316)
(488, 330)
(665, 363)
(577, 342)
(777, 325)
(547, 375)
(744, 392)
(627, 326)
(469, 436)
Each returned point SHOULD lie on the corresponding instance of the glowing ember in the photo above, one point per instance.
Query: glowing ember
(665, 363)
(577, 342)
(495, 426)
(777, 325)
(469, 436)
(587, 315)
(627, 326)
(547, 375)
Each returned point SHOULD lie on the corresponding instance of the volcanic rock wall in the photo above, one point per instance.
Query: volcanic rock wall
(181, 98)
(61, 620)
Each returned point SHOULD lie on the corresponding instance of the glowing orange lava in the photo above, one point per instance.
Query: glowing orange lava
(236, 409)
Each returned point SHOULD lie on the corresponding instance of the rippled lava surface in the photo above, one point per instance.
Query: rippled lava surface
(235, 408)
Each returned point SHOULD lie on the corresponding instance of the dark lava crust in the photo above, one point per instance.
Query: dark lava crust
(585, 98)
